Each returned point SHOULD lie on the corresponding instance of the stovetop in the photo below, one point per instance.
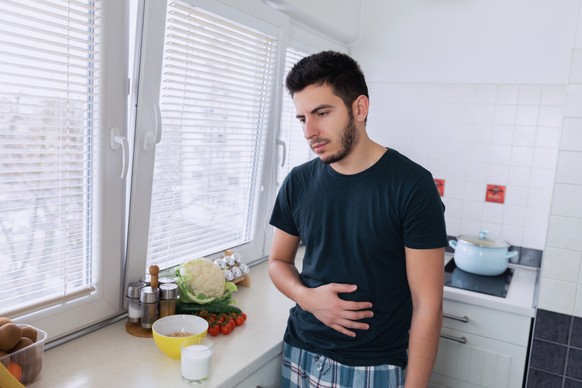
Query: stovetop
(490, 285)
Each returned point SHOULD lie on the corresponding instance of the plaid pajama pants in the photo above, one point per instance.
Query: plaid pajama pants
(303, 369)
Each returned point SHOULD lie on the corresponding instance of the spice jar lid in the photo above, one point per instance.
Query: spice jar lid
(168, 291)
(149, 294)
(166, 280)
(133, 289)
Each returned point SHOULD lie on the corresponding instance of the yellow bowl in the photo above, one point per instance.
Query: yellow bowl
(170, 331)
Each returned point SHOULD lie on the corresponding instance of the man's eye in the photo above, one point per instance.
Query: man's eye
(322, 114)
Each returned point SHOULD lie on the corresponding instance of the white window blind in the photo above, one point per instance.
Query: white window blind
(217, 81)
(49, 59)
(297, 150)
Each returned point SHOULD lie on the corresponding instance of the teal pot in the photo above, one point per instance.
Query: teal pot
(481, 255)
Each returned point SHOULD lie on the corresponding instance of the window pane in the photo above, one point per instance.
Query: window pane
(217, 80)
(49, 65)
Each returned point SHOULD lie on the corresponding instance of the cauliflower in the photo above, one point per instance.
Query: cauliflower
(201, 281)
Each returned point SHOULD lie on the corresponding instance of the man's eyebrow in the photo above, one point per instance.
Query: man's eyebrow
(316, 109)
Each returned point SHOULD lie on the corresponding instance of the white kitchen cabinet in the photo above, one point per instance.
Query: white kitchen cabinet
(267, 376)
(481, 348)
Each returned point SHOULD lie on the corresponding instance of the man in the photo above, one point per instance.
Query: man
(369, 297)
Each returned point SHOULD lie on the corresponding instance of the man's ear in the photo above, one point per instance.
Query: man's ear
(360, 108)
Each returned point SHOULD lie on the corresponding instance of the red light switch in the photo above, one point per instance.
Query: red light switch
(440, 184)
(495, 193)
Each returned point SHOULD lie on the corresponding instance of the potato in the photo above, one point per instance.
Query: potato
(21, 344)
(10, 334)
(30, 332)
(4, 320)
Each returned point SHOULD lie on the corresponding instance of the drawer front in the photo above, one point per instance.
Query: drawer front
(487, 322)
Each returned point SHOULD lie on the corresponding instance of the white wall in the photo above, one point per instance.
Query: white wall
(482, 92)
(496, 41)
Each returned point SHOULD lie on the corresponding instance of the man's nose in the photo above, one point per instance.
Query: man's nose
(309, 129)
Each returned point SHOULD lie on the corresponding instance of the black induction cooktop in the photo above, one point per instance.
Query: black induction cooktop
(490, 285)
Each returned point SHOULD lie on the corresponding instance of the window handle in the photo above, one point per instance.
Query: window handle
(284, 153)
(116, 141)
(155, 136)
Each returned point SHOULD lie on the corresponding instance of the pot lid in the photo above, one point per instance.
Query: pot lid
(483, 241)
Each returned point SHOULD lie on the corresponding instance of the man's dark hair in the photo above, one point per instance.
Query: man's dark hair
(341, 72)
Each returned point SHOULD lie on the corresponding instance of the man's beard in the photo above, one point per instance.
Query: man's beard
(348, 140)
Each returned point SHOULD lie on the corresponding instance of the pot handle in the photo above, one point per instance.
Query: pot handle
(511, 254)
(453, 244)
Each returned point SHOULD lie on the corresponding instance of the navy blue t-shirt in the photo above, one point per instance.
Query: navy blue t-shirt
(355, 228)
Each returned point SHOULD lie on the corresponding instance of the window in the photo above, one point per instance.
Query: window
(212, 104)
(54, 137)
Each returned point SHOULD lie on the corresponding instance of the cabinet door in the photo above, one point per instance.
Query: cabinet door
(478, 363)
(267, 376)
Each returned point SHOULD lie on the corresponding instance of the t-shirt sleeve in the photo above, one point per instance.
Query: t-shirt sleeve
(424, 222)
(282, 215)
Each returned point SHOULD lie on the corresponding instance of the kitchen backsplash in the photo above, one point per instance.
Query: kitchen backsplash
(474, 135)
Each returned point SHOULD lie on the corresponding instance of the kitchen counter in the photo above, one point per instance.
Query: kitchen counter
(110, 357)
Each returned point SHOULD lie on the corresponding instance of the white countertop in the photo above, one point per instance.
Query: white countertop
(110, 357)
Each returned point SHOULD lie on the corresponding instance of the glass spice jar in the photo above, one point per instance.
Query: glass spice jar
(168, 297)
(133, 303)
(149, 298)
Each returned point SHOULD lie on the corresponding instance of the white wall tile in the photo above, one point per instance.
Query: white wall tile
(522, 156)
(557, 296)
(553, 95)
(505, 114)
(527, 115)
(512, 234)
(574, 101)
(514, 215)
(548, 137)
(519, 176)
(516, 195)
(571, 138)
(503, 134)
(550, 116)
(540, 197)
(569, 167)
(565, 233)
(545, 158)
(485, 94)
(567, 201)
(524, 135)
(500, 154)
(497, 174)
(537, 217)
(561, 264)
(542, 178)
(507, 94)
(493, 228)
(529, 94)
(467, 226)
(475, 192)
(534, 238)
(492, 212)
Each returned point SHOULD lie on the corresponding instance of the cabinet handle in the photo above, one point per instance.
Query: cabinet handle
(461, 340)
(464, 318)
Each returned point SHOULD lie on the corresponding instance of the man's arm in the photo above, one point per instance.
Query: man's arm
(425, 272)
(322, 301)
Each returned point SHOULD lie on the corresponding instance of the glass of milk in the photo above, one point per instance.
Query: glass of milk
(195, 359)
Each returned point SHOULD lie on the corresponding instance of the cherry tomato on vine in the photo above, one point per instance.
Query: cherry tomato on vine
(214, 330)
(226, 329)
